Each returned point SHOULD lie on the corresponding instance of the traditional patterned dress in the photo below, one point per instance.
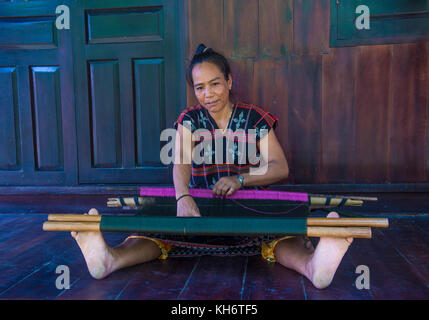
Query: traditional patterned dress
(247, 125)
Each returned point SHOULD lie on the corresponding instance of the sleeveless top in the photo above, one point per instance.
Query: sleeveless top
(234, 152)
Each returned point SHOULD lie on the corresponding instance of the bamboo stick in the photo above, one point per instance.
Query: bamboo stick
(130, 202)
(334, 201)
(344, 197)
(74, 217)
(339, 232)
(349, 222)
(71, 226)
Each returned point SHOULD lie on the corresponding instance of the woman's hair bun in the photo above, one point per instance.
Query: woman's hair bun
(204, 54)
(201, 49)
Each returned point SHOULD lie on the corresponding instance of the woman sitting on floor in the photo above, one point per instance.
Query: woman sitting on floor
(210, 76)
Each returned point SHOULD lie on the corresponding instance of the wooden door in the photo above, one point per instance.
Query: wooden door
(129, 80)
(37, 127)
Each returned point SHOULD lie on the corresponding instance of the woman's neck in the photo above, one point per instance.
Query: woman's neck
(224, 114)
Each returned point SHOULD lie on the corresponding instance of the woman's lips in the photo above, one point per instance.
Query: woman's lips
(211, 104)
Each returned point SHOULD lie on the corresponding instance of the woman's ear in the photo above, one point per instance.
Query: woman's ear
(229, 82)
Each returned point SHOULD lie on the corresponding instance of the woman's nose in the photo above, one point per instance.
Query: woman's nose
(208, 92)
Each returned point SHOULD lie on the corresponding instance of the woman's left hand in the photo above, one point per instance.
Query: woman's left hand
(226, 186)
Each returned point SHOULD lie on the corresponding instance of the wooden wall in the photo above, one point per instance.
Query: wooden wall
(347, 115)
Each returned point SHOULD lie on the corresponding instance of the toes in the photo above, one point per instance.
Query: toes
(308, 244)
(333, 215)
(93, 211)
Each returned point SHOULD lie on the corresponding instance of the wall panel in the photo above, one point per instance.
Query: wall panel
(347, 115)
(338, 115)
(409, 120)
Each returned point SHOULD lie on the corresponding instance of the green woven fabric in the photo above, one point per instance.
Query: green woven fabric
(205, 225)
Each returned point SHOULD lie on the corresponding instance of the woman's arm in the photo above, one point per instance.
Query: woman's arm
(186, 206)
(274, 166)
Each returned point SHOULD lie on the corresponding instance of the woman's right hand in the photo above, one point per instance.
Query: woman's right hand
(186, 207)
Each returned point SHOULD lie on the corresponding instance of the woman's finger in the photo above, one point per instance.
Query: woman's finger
(225, 189)
(217, 190)
(230, 192)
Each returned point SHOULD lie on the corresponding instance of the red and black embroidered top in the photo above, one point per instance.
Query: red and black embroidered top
(238, 145)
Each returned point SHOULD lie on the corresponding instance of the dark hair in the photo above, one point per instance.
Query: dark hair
(204, 54)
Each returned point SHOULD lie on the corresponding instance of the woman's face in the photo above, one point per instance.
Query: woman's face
(210, 86)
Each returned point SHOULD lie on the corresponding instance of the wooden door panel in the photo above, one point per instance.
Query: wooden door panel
(9, 120)
(147, 24)
(128, 78)
(46, 115)
(150, 108)
(105, 124)
(37, 130)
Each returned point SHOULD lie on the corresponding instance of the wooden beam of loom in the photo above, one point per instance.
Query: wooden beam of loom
(314, 201)
(331, 222)
(312, 227)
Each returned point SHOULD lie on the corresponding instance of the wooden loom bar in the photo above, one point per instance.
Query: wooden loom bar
(71, 226)
(349, 222)
(315, 227)
(340, 232)
(331, 222)
(74, 217)
(335, 232)
(313, 200)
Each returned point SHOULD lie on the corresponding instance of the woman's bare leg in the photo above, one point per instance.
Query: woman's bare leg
(318, 265)
(102, 259)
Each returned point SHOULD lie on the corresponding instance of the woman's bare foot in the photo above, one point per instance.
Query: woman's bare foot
(294, 253)
(98, 255)
(326, 258)
(318, 265)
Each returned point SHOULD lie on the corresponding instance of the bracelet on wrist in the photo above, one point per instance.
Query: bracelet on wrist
(241, 180)
(182, 196)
